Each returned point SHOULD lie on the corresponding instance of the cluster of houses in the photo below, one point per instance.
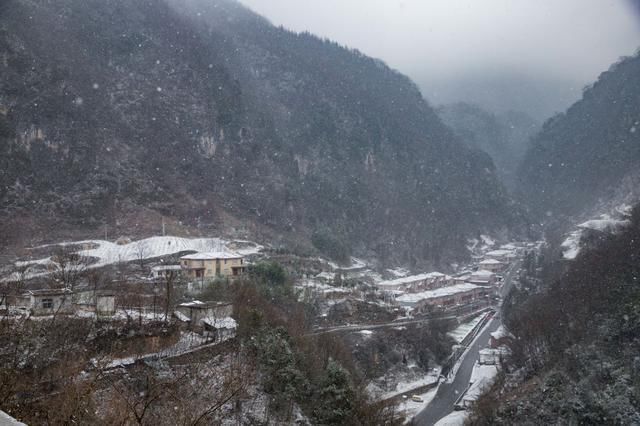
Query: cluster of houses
(435, 289)
(61, 301)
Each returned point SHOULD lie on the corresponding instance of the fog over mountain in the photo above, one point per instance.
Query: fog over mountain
(494, 53)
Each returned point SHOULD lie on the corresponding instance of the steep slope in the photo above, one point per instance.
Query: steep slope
(504, 136)
(575, 357)
(202, 111)
(582, 156)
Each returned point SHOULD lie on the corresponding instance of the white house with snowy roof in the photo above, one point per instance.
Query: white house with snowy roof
(213, 264)
(491, 265)
(482, 277)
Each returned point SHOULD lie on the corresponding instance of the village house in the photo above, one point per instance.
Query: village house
(212, 265)
(491, 265)
(49, 301)
(211, 319)
(416, 283)
(482, 277)
(459, 294)
(100, 303)
(501, 255)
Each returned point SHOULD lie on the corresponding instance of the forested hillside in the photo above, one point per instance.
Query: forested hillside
(583, 156)
(118, 112)
(504, 137)
(575, 357)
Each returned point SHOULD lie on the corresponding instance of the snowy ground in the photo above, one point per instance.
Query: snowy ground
(456, 418)
(406, 386)
(107, 252)
(411, 408)
(606, 223)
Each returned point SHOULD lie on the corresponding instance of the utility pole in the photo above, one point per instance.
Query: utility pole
(163, 230)
(105, 232)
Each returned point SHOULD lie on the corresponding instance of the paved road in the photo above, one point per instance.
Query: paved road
(443, 403)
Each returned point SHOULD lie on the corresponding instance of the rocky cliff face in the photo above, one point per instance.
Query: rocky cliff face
(201, 111)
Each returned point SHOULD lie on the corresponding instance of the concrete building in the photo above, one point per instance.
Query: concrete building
(416, 283)
(482, 277)
(50, 301)
(458, 294)
(491, 265)
(212, 265)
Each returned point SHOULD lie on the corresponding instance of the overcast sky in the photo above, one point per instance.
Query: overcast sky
(437, 41)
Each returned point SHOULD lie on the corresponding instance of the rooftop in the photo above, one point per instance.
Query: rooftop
(49, 292)
(166, 268)
(212, 255)
(482, 273)
(490, 262)
(439, 292)
(412, 279)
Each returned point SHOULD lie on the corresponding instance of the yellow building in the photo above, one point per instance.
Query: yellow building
(211, 265)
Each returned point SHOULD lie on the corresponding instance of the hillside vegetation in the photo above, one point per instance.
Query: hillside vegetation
(575, 359)
(118, 112)
(585, 155)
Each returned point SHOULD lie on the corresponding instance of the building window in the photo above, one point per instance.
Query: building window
(47, 303)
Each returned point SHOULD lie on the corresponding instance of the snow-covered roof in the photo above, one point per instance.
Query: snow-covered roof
(182, 317)
(500, 333)
(325, 276)
(439, 292)
(212, 255)
(226, 322)
(456, 418)
(603, 224)
(166, 268)
(49, 292)
(482, 273)
(500, 253)
(7, 420)
(192, 303)
(411, 279)
(490, 262)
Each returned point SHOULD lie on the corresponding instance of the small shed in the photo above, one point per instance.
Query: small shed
(50, 301)
(105, 305)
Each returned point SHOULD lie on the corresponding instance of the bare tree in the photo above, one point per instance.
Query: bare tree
(10, 289)
(169, 279)
(70, 267)
(143, 252)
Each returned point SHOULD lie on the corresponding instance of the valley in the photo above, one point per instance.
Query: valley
(207, 218)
